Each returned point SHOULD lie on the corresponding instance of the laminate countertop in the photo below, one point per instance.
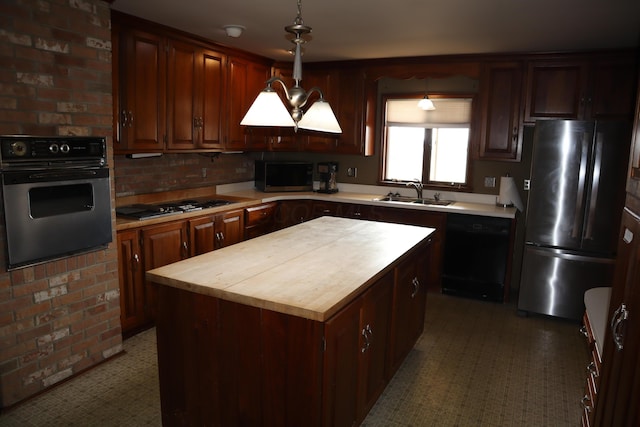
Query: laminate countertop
(309, 270)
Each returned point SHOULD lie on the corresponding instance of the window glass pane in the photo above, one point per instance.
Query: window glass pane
(447, 129)
(405, 151)
(449, 148)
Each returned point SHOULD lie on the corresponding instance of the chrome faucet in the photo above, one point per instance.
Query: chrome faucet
(417, 184)
(436, 197)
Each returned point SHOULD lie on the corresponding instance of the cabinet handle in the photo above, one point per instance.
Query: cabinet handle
(130, 118)
(591, 368)
(125, 119)
(586, 403)
(367, 334)
(136, 262)
(583, 331)
(185, 249)
(617, 325)
(416, 287)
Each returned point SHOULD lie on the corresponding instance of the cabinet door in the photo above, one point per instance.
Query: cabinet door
(246, 80)
(229, 228)
(141, 74)
(555, 90)
(131, 278)
(291, 212)
(349, 109)
(409, 299)
(342, 354)
(374, 338)
(501, 90)
(613, 89)
(619, 386)
(202, 235)
(162, 244)
(327, 83)
(195, 97)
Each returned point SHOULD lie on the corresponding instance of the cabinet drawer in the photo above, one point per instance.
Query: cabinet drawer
(258, 214)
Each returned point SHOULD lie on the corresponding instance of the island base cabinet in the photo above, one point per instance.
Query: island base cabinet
(226, 364)
(222, 363)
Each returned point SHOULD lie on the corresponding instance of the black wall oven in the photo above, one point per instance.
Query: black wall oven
(57, 197)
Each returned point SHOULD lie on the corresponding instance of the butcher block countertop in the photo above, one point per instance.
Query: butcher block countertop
(310, 270)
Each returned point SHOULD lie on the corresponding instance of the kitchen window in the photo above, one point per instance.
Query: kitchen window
(432, 145)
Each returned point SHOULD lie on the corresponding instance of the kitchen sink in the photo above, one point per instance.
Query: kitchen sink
(414, 200)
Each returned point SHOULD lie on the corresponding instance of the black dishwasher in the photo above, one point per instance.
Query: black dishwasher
(475, 256)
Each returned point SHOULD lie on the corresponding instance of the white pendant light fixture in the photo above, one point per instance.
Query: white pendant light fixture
(268, 109)
(426, 104)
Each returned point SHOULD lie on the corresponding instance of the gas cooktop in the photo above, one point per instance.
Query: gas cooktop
(145, 211)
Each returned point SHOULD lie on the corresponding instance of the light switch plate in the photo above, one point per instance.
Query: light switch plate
(490, 181)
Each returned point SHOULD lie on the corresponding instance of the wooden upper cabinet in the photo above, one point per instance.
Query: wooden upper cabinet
(140, 66)
(588, 89)
(195, 97)
(246, 80)
(501, 94)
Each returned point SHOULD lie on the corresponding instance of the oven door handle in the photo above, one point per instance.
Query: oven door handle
(61, 174)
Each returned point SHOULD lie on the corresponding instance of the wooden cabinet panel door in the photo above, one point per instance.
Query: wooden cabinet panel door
(342, 353)
(162, 244)
(142, 79)
(374, 336)
(229, 228)
(500, 136)
(633, 184)
(131, 278)
(555, 90)
(246, 80)
(195, 97)
(201, 235)
(613, 89)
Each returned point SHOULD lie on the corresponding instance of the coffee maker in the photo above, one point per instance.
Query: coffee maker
(328, 172)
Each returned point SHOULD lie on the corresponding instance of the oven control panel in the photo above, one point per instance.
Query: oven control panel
(19, 148)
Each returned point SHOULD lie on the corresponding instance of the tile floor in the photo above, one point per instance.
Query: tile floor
(477, 364)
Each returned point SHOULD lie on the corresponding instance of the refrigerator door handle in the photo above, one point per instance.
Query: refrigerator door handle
(576, 231)
(595, 183)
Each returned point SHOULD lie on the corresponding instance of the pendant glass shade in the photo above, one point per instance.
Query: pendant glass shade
(268, 110)
(426, 104)
(320, 118)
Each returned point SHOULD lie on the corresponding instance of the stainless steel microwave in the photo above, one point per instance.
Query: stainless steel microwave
(272, 176)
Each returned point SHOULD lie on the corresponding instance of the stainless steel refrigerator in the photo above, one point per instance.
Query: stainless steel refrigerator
(578, 172)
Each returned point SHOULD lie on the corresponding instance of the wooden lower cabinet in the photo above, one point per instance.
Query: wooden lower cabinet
(145, 248)
(131, 277)
(222, 363)
(259, 220)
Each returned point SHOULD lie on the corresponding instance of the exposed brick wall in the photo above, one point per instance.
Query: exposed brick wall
(61, 317)
(179, 171)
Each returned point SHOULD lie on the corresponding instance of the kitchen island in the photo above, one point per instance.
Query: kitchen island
(303, 326)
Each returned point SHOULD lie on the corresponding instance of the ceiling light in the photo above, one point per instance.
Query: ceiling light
(234, 31)
(268, 108)
(426, 104)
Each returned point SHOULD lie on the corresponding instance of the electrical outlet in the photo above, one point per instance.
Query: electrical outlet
(490, 181)
(352, 172)
(527, 184)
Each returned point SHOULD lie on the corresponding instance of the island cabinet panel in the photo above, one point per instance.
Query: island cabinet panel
(227, 364)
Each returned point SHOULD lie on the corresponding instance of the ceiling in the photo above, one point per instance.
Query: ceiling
(365, 29)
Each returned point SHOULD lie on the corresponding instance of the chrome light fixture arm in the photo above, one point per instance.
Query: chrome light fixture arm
(297, 96)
